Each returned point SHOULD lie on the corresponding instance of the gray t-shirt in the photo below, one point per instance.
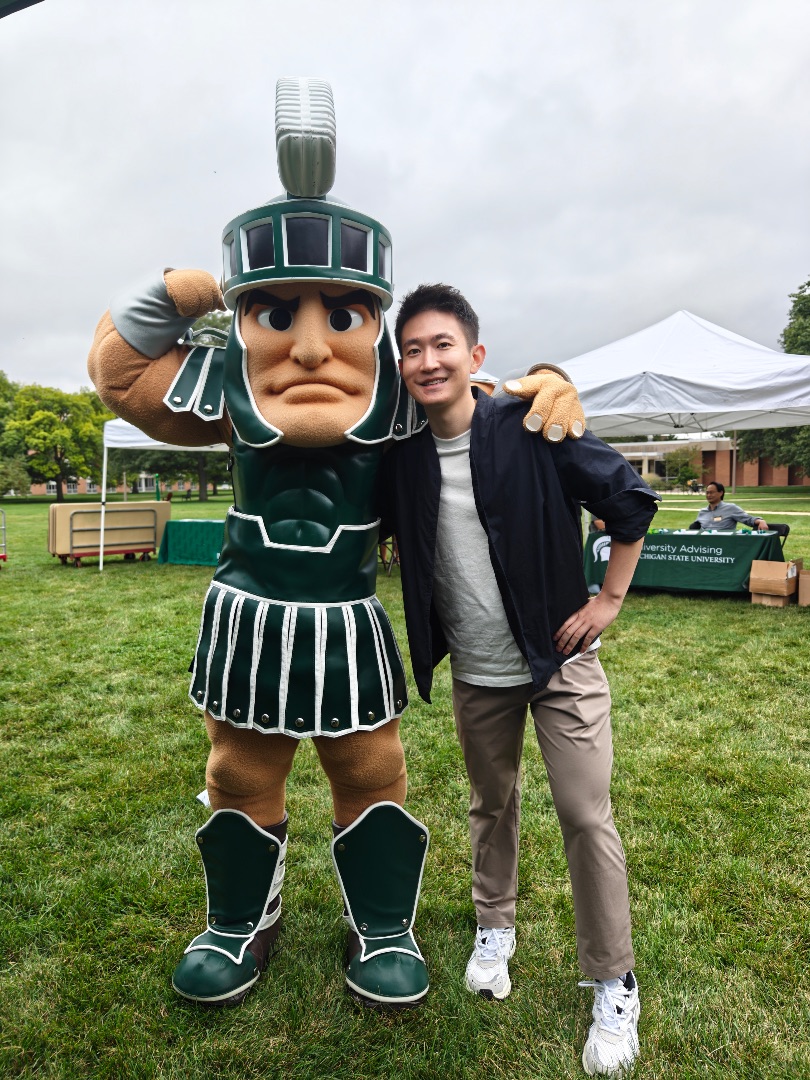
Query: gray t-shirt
(482, 648)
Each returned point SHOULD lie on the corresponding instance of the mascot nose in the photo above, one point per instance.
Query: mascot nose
(311, 350)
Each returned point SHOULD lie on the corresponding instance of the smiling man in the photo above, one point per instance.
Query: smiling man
(488, 524)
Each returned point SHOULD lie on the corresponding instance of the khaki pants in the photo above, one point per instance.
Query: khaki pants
(572, 721)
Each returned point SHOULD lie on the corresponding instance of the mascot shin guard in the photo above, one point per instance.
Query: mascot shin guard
(244, 871)
(379, 860)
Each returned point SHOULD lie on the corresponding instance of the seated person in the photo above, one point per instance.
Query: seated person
(723, 515)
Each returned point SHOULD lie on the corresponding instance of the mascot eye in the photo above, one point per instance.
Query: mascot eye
(345, 319)
(275, 318)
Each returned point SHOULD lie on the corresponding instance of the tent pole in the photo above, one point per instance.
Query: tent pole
(103, 509)
(734, 463)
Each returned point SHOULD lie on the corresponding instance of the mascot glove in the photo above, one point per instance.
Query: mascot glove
(555, 407)
(193, 292)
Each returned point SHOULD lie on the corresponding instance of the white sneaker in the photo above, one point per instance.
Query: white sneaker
(488, 968)
(612, 1045)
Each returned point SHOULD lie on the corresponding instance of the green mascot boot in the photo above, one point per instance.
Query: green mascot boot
(244, 871)
(379, 860)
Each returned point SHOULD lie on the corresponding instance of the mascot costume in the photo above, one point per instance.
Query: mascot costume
(293, 643)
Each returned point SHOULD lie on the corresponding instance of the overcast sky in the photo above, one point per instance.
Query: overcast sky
(579, 168)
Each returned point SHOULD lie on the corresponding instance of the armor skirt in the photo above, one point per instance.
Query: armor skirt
(296, 669)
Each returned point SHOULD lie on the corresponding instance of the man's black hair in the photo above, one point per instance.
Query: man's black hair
(437, 298)
(720, 487)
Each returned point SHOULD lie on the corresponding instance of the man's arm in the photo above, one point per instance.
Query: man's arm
(597, 476)
(589, 622)
(738, 514)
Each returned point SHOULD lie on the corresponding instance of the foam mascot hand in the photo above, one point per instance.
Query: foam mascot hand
(193, 292)
(555, 409)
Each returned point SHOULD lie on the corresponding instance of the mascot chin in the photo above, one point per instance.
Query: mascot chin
(293, 643)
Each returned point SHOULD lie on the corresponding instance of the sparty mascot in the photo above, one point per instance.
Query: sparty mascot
(293, 642)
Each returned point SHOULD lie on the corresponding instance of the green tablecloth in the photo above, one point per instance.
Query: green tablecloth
(192, 541)
(714, 562)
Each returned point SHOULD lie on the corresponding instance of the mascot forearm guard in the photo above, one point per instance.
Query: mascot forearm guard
(293, 642)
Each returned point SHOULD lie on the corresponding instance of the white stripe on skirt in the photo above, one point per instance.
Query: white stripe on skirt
(351, 660)
(287, 641)
(320, 664)
(383, 667)
(233, 630)
(213, 645)
(258, 636)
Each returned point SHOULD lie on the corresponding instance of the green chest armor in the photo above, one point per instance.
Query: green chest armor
(303, 527)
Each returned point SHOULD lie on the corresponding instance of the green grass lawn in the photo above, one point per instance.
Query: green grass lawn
(101, 888)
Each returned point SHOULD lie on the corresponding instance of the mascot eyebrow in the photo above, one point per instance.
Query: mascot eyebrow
(357, 296)
(262, 296)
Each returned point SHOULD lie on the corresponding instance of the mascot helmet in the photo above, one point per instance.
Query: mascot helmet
(304, 235)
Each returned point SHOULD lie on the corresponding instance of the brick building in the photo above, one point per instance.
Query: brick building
(713, 460)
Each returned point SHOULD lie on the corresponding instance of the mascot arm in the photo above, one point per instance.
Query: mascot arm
(135, 356)
(555, 409)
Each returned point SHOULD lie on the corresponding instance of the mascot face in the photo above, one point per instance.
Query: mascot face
(310, 357)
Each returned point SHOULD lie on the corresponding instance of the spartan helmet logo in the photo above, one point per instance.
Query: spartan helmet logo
(601, 549)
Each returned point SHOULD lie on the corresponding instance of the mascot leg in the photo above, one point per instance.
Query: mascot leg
(379, 860)
(244, 871)
(243, 863)
(379, 852)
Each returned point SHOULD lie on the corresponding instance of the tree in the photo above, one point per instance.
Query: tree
(57, 434)
(216, 320)
(14, 476)
(206, 467)
(679, 467)
(795, 338)
(785, 446)
(8, 391)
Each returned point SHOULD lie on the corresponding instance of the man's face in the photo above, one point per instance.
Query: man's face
(310, 357)
(713, 496)
(437, 360)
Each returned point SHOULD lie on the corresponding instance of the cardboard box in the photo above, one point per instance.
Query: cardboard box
(772, 601)
(804, 588)
(774, 578)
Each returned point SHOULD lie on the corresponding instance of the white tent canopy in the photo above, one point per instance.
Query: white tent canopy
(687, 374)
(119, 435)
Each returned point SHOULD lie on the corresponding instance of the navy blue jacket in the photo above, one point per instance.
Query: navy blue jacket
(529, 495)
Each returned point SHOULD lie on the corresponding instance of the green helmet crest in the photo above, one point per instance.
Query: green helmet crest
(305, 235)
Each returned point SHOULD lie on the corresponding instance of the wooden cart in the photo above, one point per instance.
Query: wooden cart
(130, 529)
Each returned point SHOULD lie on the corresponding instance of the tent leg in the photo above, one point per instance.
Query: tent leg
(103, 509)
